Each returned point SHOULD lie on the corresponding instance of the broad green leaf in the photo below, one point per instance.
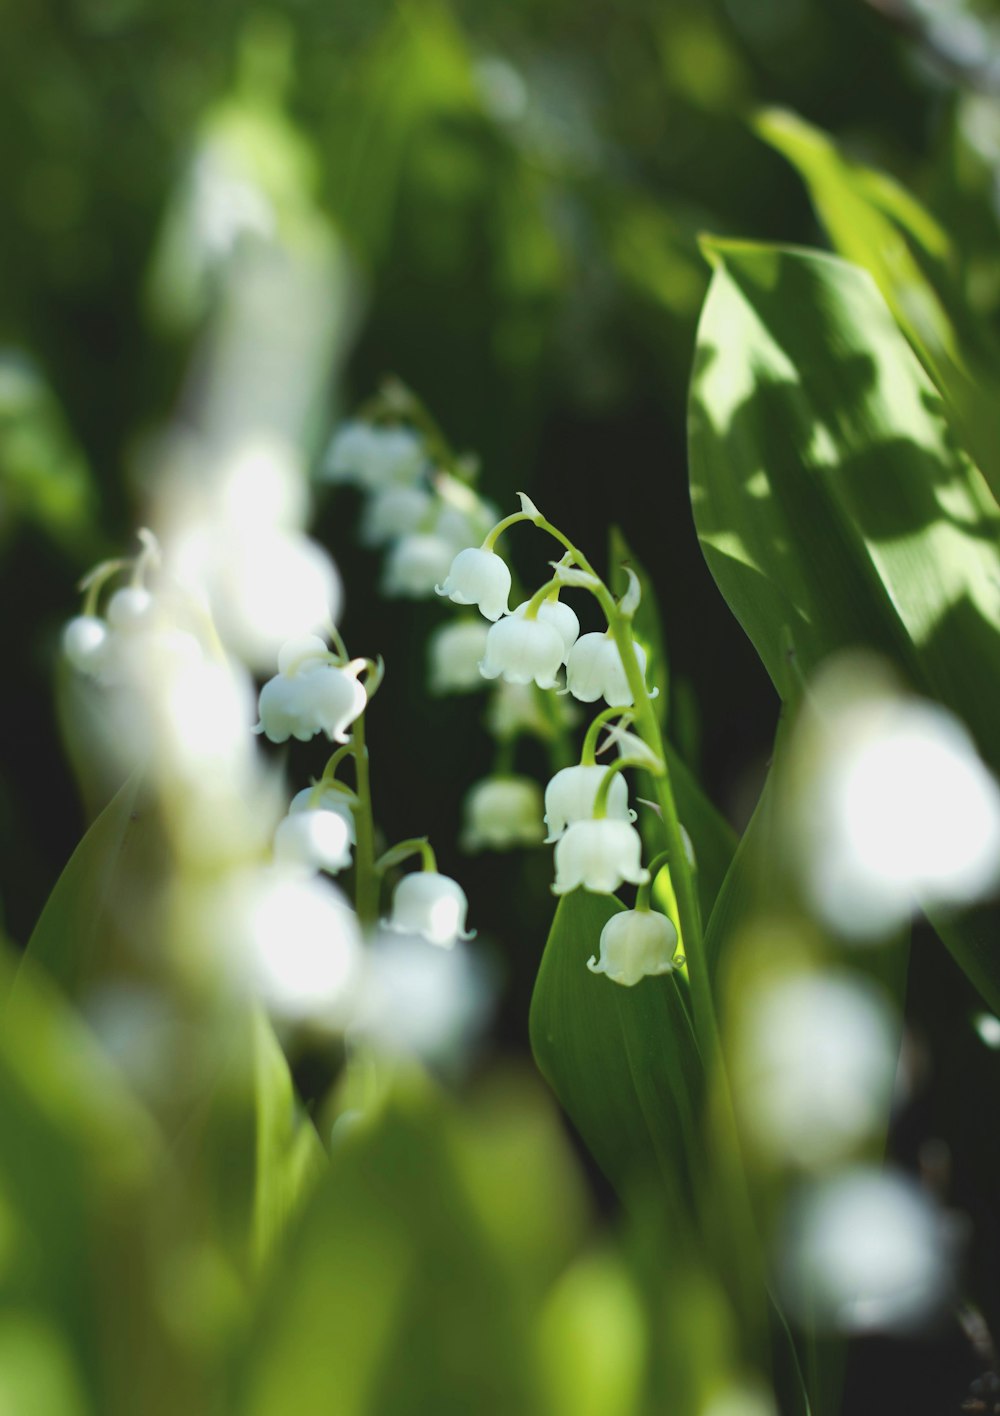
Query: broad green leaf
(395, 1294)
(876, 223)
(832, 504)
(622, 1061)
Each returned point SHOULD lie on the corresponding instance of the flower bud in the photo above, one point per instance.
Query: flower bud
(130, 608)
(502, 813)
(478, 577)
(455, 653)
(635, 944)
(561, 617)
(571, 793)
(520, 649)
(85, 644)
(599, 855)
(432, 905)
(594, 670)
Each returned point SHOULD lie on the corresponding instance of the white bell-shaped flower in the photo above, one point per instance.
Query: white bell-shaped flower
(455, 652)
(502, 813)
(600, 856)
(521, 650)
(373, 457)
(314, 840)
(478, 577)
(571, 793)
(594, 670)
(315, 697)
(432, 905)
(325, 799)
(85, 644)
(635, 944)
(561, 617)
(395, 512)
(415, 565)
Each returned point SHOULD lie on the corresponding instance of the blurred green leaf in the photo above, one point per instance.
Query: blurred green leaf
(832, 505)
(876, 223)
(396, 1293)
(622, 1061)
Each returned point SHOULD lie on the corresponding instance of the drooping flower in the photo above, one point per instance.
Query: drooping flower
(521, 650)
(635, 944)
(395, 511)
(432, 905)
(599, 855)
(455, 652)
(502, 813)
(309, 696)
(323, 798)
(478, 577)
(374, 457)
(571, 793)
(594, 670)
(314, 840)
(415, 565)
(561, 617)
(130, 608)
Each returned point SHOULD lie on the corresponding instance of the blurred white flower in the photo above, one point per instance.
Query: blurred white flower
(600, 856)
(814, 1060)
(419, 1000)
(501, 813)
(432, 905)
(130, 609)
(521, 650)
(288, 937)
(394, 512)
(635, 944)
(322, 798)
(478, 577)
(314, 840)
(561, 617)
(374, 457)
(571, 793)
(594, 670)
(896, 809)
(455, 651)
(516, 708)
(85, 640)
(415, 565)
(865, 1251)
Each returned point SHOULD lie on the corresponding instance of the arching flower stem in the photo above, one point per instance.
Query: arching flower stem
(654, 867)
(415, 845)
(588, 754)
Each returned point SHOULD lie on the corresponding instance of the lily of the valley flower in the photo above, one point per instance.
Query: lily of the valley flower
(521, 650)
(314, 840)
(415, 565)
(478, 577)
(310, 695)
(432, 905)
(85, 644)
(594, 670)
(502, 813)
(130, 608)
(561, 617)
(324, 799)
(599, 855)
(374, 457)
(456, 651)
(396, 511)
(635, 944)
(571, 793)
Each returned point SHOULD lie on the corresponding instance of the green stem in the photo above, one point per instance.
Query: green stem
(366, 882)
(589, 750)
(604, 786)
(395, 855)
(654, 867)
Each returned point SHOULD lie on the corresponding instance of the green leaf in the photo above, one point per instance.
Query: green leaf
(876, 223)
(622, 1061)
(832, 504)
